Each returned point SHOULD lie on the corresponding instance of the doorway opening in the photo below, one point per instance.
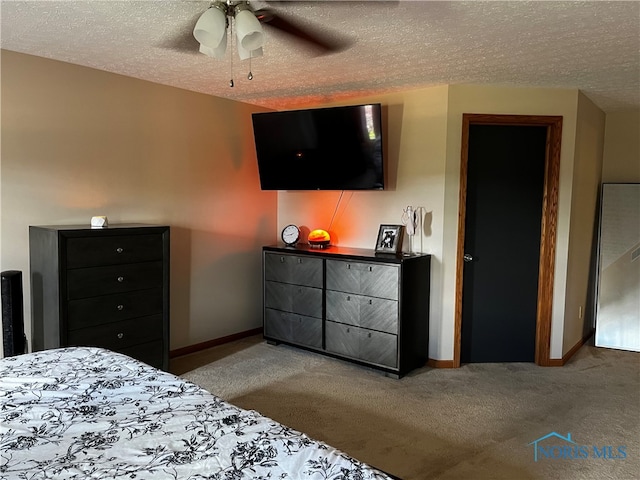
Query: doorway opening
(550, 132)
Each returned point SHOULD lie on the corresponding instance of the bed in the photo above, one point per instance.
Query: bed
(82, 412)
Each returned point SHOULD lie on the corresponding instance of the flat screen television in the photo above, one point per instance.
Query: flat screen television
(336, 148)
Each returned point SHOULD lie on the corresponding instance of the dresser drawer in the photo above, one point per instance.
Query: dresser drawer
(119, 335)
(373, 279)
(368, 312)
(342, 339)
(91, 311)
(294, 298)
(89, 282)
(293, 328)
(299, 270)
(109, 250)
(362, 344)
(380, 348)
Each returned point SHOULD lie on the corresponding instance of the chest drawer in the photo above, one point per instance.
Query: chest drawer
(90, 311)
(367, 312)
(293, 328)
(89, 282)
(294, 298)
(374, 347)
(373, 279)
(110, 250)
(298, 270)
(119, 335)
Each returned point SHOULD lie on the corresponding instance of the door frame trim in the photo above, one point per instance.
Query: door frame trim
(548, 228)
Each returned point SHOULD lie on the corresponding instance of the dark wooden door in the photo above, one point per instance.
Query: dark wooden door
(504, 201)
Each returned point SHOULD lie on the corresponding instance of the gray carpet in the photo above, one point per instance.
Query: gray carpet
(475, 422)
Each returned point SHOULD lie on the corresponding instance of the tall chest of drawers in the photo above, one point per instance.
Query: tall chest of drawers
(349, 303)
(105, 287)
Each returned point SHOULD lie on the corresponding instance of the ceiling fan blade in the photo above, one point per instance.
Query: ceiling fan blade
(321, 41)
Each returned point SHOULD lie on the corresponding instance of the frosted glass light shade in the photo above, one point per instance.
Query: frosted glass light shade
(217, 52)
(211, 27)
(249, 30)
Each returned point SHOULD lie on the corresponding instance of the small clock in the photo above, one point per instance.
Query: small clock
(290, 235)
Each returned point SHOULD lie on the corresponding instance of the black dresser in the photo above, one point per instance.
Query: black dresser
(105, 287)
(350, 303)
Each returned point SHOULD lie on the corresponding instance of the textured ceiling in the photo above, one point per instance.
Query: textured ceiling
(593, 46)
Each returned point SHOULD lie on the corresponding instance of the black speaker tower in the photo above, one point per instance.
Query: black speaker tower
(14, 339)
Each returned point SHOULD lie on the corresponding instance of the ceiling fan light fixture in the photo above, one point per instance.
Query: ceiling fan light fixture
(211, 27)
(248, 29)
(217, 52)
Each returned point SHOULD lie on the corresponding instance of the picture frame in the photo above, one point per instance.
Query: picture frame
(389, 239)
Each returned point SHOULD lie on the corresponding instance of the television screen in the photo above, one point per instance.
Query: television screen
(337, 148)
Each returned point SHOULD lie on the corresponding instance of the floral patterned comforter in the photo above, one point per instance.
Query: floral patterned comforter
(78, 413)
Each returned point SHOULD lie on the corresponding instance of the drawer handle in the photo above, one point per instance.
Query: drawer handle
(120, 279)
(348, 266)
(120, 335)
(119, 250)
(370, 302)
(281, 259)
(369, 335)
(348, 298)
(120, 307)
(348, 330)
(299, 260)
(371, 269)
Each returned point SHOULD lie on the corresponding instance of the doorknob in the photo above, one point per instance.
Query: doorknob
(467, 257)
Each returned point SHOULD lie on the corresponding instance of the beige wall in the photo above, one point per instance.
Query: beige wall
(622, 147)
(589, 145)
(78, 142)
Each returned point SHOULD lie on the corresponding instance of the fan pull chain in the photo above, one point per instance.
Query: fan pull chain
(250, 76)
(231, 51)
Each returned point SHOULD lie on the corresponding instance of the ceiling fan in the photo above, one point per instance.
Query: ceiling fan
(210, 31)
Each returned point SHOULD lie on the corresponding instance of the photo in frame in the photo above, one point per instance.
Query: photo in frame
(389, 239)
